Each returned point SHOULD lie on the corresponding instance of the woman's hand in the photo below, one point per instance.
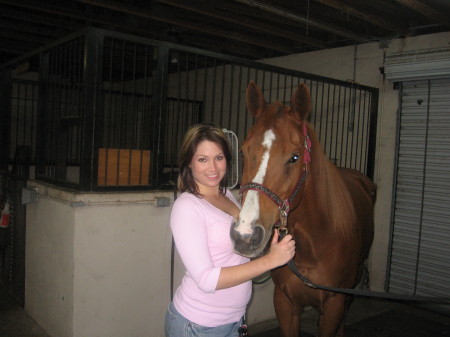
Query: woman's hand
(280, 252)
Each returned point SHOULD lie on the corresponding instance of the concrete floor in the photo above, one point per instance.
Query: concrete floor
(364, 308)
(14, 322)
(360, 309)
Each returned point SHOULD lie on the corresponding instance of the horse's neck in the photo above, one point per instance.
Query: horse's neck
(315, 237)
(333, 199)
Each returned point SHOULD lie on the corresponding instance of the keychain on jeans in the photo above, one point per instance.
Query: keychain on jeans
(243, 331)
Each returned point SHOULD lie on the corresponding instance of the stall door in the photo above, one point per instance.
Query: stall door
(420, 246)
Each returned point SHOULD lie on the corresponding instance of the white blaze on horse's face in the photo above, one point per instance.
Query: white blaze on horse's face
(250, 209)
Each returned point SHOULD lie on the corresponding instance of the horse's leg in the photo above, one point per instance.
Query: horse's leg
(331, 320)
(341, 329)
(288, 315)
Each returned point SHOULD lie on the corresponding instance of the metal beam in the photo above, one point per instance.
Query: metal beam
(423, 9)
(201, 7)
(305, 20)
(363, 15)
(156, 13)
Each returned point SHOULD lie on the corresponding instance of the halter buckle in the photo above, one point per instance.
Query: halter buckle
(284, 212)
(284, 208)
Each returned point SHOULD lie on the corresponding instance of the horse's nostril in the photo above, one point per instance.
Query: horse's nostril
(257, 237)
(233, 232)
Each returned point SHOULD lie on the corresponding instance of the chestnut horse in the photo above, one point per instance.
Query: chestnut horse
(330, 212)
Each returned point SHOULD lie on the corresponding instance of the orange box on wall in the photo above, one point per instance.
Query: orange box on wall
(123, 167)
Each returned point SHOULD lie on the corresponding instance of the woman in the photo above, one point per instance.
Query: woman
(214, 293)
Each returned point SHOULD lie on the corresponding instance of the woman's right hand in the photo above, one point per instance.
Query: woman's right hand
(281, 252)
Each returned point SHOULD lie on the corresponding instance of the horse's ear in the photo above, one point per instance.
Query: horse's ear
(255, 99)
(301, 102)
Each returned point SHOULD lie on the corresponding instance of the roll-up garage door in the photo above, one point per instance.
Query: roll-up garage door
(420, 243)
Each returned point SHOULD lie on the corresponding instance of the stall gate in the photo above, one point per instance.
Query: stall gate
(110, 109)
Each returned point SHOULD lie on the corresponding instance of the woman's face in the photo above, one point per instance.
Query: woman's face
(208, 166)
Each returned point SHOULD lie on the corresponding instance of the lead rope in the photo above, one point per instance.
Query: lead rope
(358, 292)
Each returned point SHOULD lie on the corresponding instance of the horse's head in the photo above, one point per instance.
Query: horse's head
(274, 158)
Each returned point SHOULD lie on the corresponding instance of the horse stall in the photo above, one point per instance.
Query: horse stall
(102, 115)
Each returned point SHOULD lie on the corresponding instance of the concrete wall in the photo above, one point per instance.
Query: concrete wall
(49, 265)
(99, 264)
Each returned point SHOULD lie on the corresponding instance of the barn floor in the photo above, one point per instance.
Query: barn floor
(14, 322)
(367, 318)
(375, 318)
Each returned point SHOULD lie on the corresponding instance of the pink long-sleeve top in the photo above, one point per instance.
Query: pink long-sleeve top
(202, 237)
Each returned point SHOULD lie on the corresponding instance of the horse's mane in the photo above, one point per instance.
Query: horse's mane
(331, 192)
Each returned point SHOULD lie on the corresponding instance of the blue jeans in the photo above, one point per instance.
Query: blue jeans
(178, 326)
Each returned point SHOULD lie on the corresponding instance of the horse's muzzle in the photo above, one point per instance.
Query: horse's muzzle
(249, 245)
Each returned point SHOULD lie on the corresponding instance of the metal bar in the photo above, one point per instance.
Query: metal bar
(92, 99)
(361, 122)
(145, 111)
(370, 165)
(365, 148)
(285, 88)
(24, 116)
(338, 128)
(222, 95)
(270, 87)
(342, 156)
(41, 120)
(230, 102)
(159, 95)
(33, 125)
(358, 134)
(177, 108)
(5, 117)
(331, 154)
(51, 158)
(316, 101)
(15, 115)
(238, 107)
(351, 124)
(78, 73)
(246, 117)
(278, 84)
(71, 150)
(213, 93)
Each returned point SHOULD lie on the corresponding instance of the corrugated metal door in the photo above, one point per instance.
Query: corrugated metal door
(420, 246)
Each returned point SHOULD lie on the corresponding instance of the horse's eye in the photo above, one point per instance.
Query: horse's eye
(293, 159)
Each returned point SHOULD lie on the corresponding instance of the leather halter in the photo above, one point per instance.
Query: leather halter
(284, 205)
